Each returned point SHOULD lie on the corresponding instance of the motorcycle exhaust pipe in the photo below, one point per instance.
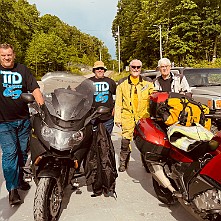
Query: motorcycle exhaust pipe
(159, 175)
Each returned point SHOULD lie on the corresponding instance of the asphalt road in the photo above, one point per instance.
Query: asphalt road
(136, 199)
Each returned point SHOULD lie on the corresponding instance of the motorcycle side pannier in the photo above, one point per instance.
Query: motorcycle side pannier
(150, 151)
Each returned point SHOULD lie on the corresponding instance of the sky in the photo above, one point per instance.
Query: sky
(93, 17)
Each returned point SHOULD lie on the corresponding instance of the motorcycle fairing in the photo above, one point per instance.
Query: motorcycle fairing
(152, 132)
(197, 186)
(36, 148)
(212, 169)
(179, 156)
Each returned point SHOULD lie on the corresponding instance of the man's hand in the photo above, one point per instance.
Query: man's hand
(112, 113)
(118, 124)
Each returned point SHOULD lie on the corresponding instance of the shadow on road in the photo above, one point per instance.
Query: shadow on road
(70, 191)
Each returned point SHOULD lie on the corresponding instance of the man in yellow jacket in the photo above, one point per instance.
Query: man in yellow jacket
(132, 104)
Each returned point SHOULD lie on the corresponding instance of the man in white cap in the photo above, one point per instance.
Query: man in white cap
(170, 82)
(103, 96)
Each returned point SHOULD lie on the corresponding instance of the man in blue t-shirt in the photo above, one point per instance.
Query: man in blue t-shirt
(103, 96)
(15, 127)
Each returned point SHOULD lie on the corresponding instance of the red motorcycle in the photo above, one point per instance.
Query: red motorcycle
(192, 178)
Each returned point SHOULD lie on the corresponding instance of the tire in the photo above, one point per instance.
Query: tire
(163, 194)
(65, 176)
(47, 202)
(144, 163)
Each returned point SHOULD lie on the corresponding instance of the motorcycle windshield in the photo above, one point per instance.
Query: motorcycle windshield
(68, 96)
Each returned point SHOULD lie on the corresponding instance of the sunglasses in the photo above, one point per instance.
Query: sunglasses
(99, 68)
(134, 67)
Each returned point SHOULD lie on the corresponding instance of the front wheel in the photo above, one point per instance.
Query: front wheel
(163, 194)
(47, 202)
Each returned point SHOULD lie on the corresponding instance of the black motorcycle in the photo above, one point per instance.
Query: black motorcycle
(61, 137)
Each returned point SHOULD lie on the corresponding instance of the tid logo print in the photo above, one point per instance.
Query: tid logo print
(12, 82)
(102, 91)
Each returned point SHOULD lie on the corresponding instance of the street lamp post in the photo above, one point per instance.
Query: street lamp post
(159, 26)
(100, 57)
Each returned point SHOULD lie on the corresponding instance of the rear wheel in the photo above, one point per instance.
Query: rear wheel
(163, 194)
(47, 202)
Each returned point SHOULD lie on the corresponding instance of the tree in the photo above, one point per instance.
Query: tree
(25, 22)
(46, 52)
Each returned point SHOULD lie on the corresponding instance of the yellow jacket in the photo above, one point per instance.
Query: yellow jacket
(124, 104)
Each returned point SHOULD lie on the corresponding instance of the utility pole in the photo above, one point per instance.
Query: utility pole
(161, 53)
(160, 27)
(118, 33)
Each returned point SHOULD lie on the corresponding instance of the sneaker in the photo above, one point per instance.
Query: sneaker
(96, 194)
(14, 197)
(24, 185)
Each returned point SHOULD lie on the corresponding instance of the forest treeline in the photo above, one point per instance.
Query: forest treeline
(191, 31)
(191, 35)
(45, 43)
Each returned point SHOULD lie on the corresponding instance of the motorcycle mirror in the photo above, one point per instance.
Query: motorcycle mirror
(27, 97)
(103, 110)
(30, 100)
(100, 110)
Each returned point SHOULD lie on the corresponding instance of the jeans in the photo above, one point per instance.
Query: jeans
(109, 125)
(14, 137)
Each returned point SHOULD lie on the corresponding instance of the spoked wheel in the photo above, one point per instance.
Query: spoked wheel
(144, 162)
(47, 202)
(163, 194)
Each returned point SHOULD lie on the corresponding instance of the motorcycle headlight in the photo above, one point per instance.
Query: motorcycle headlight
(61, 140)
(46, 132)
(77, 136)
